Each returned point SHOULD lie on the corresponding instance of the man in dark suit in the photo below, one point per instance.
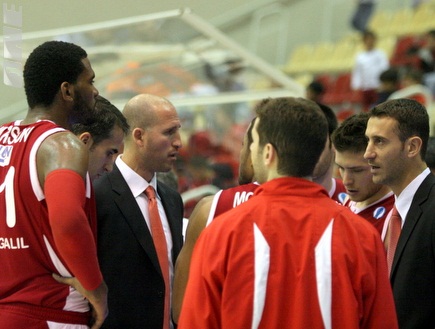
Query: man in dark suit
(398, 133)
(127, 252)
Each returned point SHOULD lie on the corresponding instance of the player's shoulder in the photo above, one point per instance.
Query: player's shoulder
(353, 223)
(234, 216)
(240, 188)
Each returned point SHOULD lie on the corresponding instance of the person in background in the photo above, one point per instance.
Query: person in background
(427, 61)
(206, 210)
(104, 137)
(315, 91)
(426, 54)
(390, 83)
(47, 242)
(398, 133)
(139, 219)
(412, 87)
(290, 256)
(369, 64)
(168, 178)
(365, 198)
(416, 3)
(363, 12)
(324, 170)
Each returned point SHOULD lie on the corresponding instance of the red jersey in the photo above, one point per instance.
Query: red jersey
(290, 257)
(375, 213)
(225, 200)
(28, 254)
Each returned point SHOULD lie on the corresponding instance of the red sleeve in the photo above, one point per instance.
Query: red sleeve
(65, 196)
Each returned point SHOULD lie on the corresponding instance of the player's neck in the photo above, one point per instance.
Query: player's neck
(375, 197)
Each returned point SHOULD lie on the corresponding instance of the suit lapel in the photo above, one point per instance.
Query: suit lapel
(172, 216)
(412, 218)
(127, 204)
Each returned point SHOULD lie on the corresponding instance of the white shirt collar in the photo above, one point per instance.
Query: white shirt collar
(404, 200)
(136, 182)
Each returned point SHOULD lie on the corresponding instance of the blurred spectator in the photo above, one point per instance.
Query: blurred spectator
(198, 173)
(361, 16)
(369, 64)
(412, 87)
(201, 143)
(389, 84)
(427, 53)
(223, 175)
(226, 75)
(199, 170)
(427, 61)
(169, 178)
(315, 91)
(416, 3)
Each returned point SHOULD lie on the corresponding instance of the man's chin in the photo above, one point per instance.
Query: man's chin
(377, 180)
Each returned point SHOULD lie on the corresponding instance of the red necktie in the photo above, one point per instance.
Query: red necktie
(394, 229)
(160, 245)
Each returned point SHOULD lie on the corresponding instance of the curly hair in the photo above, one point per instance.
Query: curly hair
(47, 67)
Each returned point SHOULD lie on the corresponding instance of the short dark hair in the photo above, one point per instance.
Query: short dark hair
(297, 129)
(350, 135)
(316, 87)
(330, 117)
(412, 118)
(390, 75)
(107, 116)
(249, 132)
(47, 67)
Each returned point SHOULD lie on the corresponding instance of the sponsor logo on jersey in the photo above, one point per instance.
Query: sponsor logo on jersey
(379, 212)
(341, 197)
(5, 154)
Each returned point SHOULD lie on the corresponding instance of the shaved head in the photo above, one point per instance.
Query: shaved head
(142, 110)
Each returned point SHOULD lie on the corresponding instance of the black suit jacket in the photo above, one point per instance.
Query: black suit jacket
(413, 270)
(127, 255)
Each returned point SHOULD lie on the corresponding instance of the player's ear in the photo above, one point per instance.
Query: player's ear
(269, 154)
(413, 146)
(67, 92)
(86, 138)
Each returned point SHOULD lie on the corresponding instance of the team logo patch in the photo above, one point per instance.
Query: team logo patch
(379, 212)
(5, 154)
(341, 197)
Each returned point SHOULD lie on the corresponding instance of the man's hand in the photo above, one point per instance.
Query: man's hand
(97, 298)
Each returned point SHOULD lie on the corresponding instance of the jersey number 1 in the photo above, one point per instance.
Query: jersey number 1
(8, 187)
